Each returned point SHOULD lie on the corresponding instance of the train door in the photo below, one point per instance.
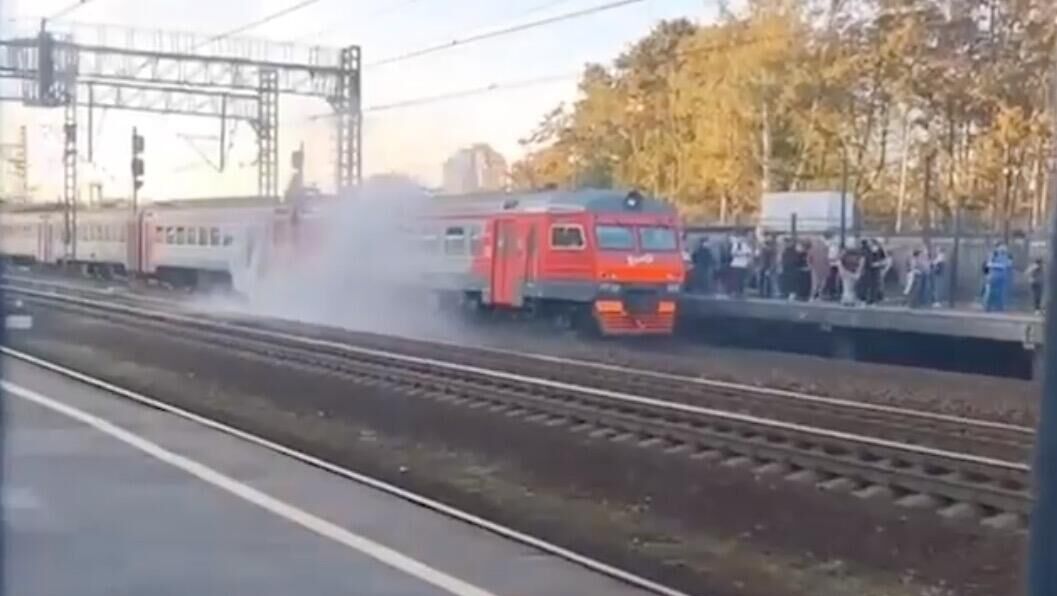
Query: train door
(531, 259)
(148, 233)
(44, 241)
(133, 248)
(508, 264)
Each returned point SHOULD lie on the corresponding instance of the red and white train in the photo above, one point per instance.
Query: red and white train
(610, 258)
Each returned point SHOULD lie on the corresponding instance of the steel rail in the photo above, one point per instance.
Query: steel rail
(1013, 433)
(997, 486)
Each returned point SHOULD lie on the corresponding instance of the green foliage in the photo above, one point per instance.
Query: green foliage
(904, 95)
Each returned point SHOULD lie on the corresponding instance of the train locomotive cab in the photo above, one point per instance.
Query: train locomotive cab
(603, 257)
(639, 268)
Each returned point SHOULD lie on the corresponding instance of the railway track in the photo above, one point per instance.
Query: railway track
(800, 438)
(956, 433)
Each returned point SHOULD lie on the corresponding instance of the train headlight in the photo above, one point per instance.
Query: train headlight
(674, 288)
(608, 288)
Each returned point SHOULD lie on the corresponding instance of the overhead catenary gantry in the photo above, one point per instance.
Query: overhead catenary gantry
(186, 74)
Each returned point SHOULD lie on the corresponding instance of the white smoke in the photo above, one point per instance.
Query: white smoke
(364, 271)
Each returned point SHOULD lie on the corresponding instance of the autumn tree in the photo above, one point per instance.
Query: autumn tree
(920, 106)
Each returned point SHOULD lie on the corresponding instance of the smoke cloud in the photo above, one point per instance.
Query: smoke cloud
(362, 267)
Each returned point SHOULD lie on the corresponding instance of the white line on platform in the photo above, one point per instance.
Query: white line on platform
(249, 494)
(384, 487)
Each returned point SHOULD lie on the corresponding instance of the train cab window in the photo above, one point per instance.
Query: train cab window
(615, 238)
(214, 236)
(454, 241)
(657, 239)
(567, 237)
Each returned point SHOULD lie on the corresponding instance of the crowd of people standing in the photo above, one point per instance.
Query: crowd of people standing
(790, 269)
(822, 269)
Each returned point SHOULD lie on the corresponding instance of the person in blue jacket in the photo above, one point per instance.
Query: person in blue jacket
(999, 271)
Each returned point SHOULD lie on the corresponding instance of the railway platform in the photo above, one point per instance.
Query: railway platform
(847, 328)
(105, 496)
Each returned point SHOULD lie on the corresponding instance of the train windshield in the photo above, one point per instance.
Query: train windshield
(615, 238)
(657, 239)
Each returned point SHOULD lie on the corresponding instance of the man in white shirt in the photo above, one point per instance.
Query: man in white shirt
(740, 261)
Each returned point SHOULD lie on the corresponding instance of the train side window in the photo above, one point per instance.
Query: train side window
(170, 235)
(122, 233)
(567, 237)
(181, 235)
(203, 237)
(454, 241)
(214, 236)
(228, 238)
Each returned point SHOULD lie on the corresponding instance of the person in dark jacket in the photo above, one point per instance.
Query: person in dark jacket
(704, 263)
(874, 262)
(765, 263)
(803, 272)
(1036, 273)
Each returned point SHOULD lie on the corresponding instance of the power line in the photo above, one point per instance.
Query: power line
(428, 99)
(406, 103)
(505, 31)
(70, 8)
(520, 84)
(265, 19)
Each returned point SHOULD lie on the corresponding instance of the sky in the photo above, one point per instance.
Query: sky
(413, 140)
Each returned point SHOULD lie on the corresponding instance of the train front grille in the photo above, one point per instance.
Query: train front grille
(641, 302)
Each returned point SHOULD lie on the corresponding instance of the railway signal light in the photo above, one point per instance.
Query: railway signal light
(137, 161)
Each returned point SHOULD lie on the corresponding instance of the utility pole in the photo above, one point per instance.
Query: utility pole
(926, 202)
(844, 199)
(1042, 581)
(137, 167)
